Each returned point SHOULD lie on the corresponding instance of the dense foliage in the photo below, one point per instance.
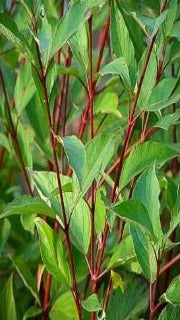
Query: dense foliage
(89, 159)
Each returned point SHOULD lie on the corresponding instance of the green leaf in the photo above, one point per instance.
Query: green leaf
(142, 156)
(100, 213)
(122, 253)
(28, 222)
(25, 138)
(163, 103)
(168, 120)
(7, 302)
(172, 294)
(175, 214)
(97, 151)
(80, 226)
(117, 281)
(147, 191)
(121, 42)
(52, 252)
(134, 300)
(79, 46)
(171, 16)
(135, 212)
(5, 228)
(148, 81)
(70, 24)
(117, 67)
(161, 92)
(107, 102)
(64, 307)
(72, 71)
(92, 303)
(32, 312)
(27, 277)
(144, 253)
(25, 88)
(76, 155)
(4, 142)
(9, 29)
(45, 39)
(175, 30)
(27, 205)
(158, 22)
(170, 313)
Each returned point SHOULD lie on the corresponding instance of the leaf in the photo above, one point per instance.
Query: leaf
(168, 120)
(92, 303)
(64, 307)
(73, 71)
(7, 302)
(70, 24)
(28, 222)
(148, 81)
(163, 103)
(144, 253)
(80, 226)
(27, 205)
(100, 213)
(27, 277)
(24, 89)
(76, 155)
(25, 140)
(122, 253)
(175, 214)
(45, 39)
(117, 67)
(134, 300)
(32, 312)
(142, 156)
(9, 29)
(134, 212)
(121, 42)
(172, 293)
(169, 313)
(97, 150)
(158, 22)
(171, 16)
(107, 102)
(52, 252)
(5, 228)
(4, 142)
(79, 47)
(175, 30)
(117, 281)
(161, 92)
(147, 191)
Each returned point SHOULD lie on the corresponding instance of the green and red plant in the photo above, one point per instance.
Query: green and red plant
(89, 160)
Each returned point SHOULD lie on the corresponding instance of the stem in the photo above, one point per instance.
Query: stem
(153, 291)
(91, 98)
(98, 64)
(2, 152)
(128, 135)
(14, 137)
(53, 146)
(169, 264)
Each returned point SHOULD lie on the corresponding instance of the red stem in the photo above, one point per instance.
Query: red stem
(98, 64)
(53, 146)
(128, 135)
(169, 264)
(14, 137)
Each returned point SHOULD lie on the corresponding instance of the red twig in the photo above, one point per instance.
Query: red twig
(13, 133)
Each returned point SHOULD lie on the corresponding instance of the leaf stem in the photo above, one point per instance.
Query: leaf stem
(53, 146)
(13, 133)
